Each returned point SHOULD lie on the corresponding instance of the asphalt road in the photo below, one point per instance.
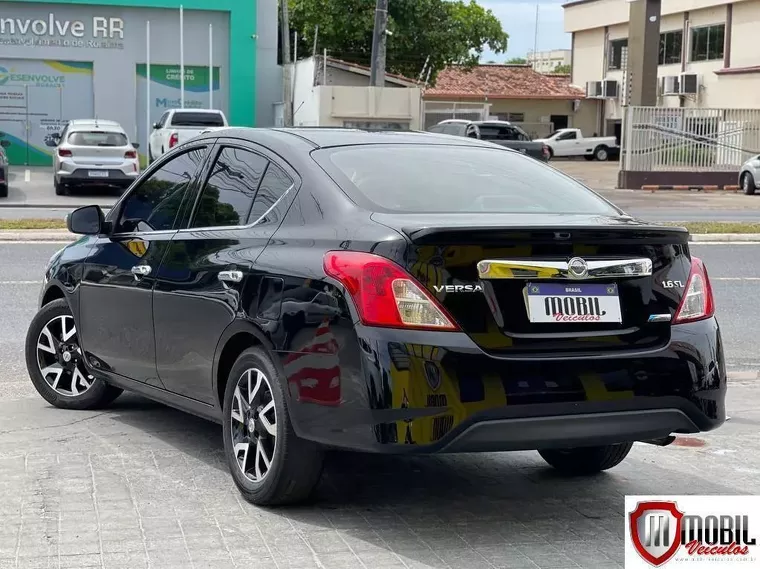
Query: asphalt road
(139, 485)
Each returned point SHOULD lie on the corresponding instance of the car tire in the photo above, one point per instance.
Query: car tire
(601, 153)
(61, 189)
(256, 422)
(51, 334)
(3, 190)
(748, 184)
(586, 460)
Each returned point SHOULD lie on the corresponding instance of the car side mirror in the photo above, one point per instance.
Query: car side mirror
(87, 220)
(156, 126)
(135, 145)
(5, 143)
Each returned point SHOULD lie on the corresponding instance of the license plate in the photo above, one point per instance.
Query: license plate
(581, 303)
(97, 173)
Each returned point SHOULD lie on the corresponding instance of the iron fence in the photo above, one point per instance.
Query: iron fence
(688, 139)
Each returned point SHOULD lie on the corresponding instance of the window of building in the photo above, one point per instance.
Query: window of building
(228, 195)
(707, 43)
(670, 47)
(511, 117)
(618, 54)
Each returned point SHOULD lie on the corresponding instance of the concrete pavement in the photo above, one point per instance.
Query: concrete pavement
(143, 486)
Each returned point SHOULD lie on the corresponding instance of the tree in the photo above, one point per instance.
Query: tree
(443, 32)
(563, 69)
(517, 61)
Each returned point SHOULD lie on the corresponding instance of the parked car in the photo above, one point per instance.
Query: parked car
(567, 142)
(93, 152)
(502, 133)
(466, 298)
(749, 175)
(177, 126)
(4, 168)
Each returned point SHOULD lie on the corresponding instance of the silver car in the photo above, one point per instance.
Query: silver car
(93, 152)
(749, 175)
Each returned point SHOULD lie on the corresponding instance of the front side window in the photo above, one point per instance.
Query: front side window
(707, 43)
(97, 138)
(670, 47)
(162, 120)
(273, 186)
(155, 203)
(456, 179)
(616, 59)
(570, 135)
(228, 195)
(488, 132)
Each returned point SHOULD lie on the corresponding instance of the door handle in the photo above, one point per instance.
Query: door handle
(231, 276)
(141, 270)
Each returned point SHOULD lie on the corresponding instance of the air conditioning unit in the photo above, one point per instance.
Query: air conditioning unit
(689, 84)
(593, 89)
(670, 85)
(610, 89)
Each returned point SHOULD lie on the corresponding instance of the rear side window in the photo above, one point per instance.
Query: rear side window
(276, 183)
(189, 118)
(97, 138)
(456, 179)
(228, 195)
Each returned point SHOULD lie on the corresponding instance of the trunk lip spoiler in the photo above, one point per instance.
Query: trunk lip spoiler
(575, 269)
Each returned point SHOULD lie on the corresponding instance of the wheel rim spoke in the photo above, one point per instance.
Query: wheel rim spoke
(57, 371)
(51, 343)
(270, 427)
(253, 422)
(68, 328)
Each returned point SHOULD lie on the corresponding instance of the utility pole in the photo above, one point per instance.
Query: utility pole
(287, 96)
(643, 52)
(377, 70)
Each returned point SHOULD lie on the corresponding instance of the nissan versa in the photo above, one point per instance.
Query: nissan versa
(315, 289)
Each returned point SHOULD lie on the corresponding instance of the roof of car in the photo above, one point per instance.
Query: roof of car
(325, 137)
(95, 124)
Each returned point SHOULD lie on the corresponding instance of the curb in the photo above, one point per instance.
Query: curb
(655, 188)
(725, 238)
(29, 235)
(743, 375)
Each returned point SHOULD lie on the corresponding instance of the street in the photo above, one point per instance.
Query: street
(31, 196)
(141, 485)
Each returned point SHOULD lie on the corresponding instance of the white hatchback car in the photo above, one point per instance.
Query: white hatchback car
(749, 175)
(93, 152)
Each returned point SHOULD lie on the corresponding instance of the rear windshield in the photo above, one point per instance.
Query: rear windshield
(197, 119)
(97, 138)
(456, 179)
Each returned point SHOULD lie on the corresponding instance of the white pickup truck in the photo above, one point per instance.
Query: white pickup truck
(180, 125)
(571, 142)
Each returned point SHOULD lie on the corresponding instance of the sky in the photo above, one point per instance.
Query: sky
(518, 19)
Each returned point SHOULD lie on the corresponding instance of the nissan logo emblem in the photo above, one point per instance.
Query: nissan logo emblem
(577, 268)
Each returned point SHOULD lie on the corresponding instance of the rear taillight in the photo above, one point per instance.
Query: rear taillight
(545, 151)
(173, 140)
(698, 302)
(385, 295)
(130, 154)
(62, 152)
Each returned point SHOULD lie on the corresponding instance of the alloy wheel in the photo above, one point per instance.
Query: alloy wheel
(254, 425)
(59, 358)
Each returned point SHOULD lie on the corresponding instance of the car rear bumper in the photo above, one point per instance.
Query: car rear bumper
(407, 391)
(112, 177)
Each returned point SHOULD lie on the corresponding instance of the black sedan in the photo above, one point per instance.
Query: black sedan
(316, 289)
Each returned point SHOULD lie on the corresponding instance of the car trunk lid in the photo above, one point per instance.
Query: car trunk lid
(527, 284)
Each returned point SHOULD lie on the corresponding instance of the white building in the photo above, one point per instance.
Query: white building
(547, 61)
(709, 54)
(332, 92)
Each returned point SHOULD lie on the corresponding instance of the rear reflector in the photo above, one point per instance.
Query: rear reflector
(173, 140)
(698, 302)
(385, 294)
(64, 153)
